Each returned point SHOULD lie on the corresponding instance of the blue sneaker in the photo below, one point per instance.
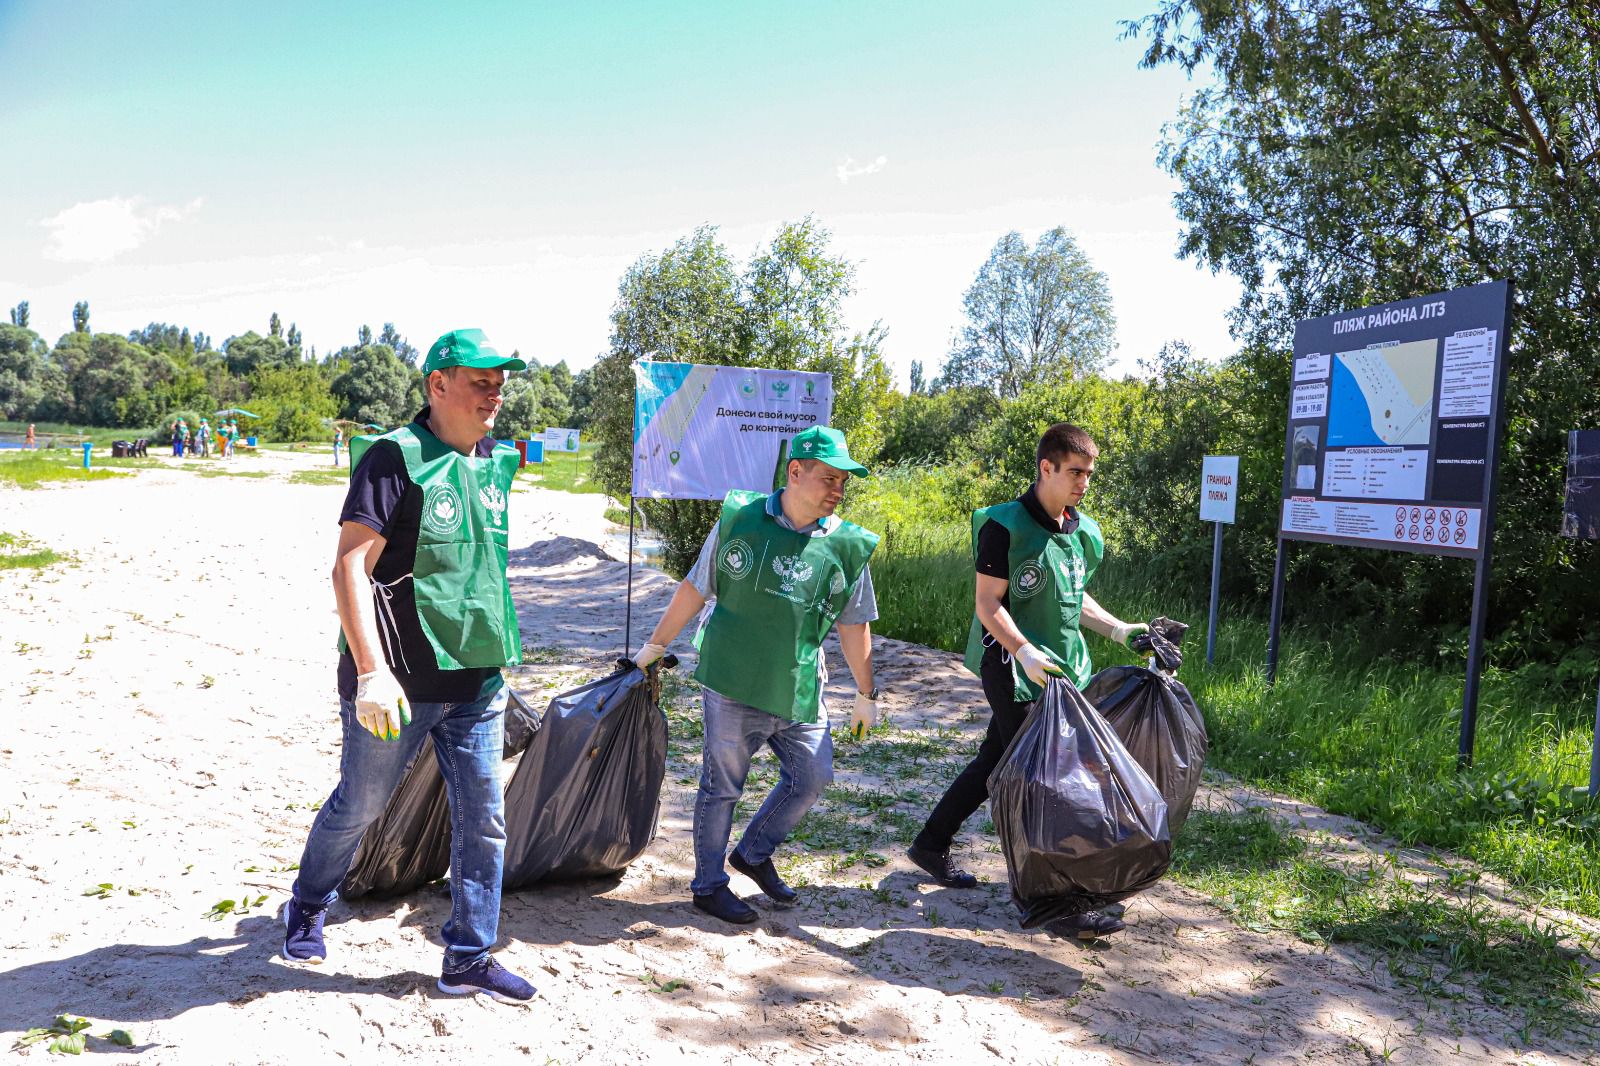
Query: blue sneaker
(302, 932)
(490, 978)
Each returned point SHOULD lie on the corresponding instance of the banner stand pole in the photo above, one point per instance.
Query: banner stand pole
(1216, 589)
(1277, 613)
(627, 625)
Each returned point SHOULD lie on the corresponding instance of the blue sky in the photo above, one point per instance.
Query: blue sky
(501, 164)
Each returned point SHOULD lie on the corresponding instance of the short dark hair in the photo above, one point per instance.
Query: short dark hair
(1064, 439)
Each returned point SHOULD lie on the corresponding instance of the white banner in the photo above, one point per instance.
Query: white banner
(701, 431)
(557, 439)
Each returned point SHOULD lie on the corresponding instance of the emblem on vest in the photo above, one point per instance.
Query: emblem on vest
(1028, 580)
(1073, 574)
(494, 501)
(441, 510)
(790, 569)
(836, 586)
(736, 559)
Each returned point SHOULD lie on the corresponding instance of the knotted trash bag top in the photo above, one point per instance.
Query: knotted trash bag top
(1161, 727)
(584, 799)
(409, 844)
(1080, 822)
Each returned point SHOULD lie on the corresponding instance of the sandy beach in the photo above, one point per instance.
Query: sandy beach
(170, 726)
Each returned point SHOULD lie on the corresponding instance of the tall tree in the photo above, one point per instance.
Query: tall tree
(364, 336)
(1033, 313)
(275, 326)
(376, 387)
(19, 315)
(400, 346)
(1351, 152)
(80, 317)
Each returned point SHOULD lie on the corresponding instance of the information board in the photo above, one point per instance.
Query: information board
(1580, 515)
(1393, 413)
(559, 439)
(701, 431)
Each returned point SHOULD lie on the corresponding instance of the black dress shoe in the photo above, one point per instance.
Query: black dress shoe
(940, 868)
(720, 902)
(766, 875)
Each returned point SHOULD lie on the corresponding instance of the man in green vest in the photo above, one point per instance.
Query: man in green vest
(781, 570)
(427, 622)
(1035, 557)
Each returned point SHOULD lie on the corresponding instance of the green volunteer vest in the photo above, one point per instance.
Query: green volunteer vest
(459, 572)
(778, 593)
(1048, 573)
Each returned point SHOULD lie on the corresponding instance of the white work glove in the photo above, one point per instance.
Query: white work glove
(1037, 665)
(864, 715)
(1123, 633)
(381, 706)
(647, 654)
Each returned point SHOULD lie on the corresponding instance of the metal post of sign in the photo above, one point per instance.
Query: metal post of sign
(627, 614)
(1594, 752)
(1276, 617)
(1482, 572)
(1216, 590)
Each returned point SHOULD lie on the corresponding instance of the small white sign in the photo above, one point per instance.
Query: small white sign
(1310, 401)
(1313, 367)
(1219, 488)
(557, 439)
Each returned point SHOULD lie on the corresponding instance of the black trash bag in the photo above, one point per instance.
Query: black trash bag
(584, 799)
(409, 844)
(1161, 640)
(1080, 822)
(1160, 726)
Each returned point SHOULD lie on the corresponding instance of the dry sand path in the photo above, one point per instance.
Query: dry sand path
(170, 725)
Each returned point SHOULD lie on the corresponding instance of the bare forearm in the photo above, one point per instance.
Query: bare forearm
(1096, 618)
(856, 643)
(686, 603)
(352, 594)
(998, 621)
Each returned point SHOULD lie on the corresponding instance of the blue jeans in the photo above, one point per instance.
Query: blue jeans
(468, 739)
(734, 733)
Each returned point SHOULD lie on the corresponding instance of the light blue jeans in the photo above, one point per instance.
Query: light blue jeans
(734, 733)
(468, 739)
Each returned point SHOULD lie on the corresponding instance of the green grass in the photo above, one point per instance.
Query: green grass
(566, 472)
(330, 475)
(18, 551)
(31, 469)
(1433, 936)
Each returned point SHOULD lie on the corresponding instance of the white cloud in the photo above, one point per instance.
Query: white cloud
(851, 169)
(100, 230)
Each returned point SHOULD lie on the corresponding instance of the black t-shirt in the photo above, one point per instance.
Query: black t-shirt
(994, 547)
(383, 498)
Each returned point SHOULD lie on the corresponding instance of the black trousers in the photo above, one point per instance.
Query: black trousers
(971, 787)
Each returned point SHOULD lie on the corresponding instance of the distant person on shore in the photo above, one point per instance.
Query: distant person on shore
(782, 571)
(205, 438)
(228, 434)
(1034, 557)
(180, 430)
(427, 622)
(338, 442)
(29, 443)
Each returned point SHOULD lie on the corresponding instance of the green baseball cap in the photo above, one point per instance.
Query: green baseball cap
(826, 445)
(467, 347)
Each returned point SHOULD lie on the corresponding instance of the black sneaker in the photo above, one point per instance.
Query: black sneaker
(302, 933)
(765, 875)
(1090, 925)
(939, 866)
(489, 977)
(1114, 910)
(720, 902)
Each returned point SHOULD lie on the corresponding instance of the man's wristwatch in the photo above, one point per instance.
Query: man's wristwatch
(873, 695)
